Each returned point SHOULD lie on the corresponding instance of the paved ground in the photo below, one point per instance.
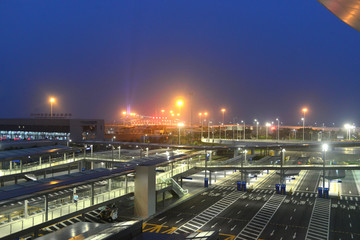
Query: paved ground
(262, 214)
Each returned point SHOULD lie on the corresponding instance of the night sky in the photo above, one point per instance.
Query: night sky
(258, 59)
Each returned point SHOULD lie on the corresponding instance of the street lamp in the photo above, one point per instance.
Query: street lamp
(278, 130)
(223, 110)
(303, 119)
(52, 100)
(209, 131)
(244, 127)
(348, 127)
(325, 148)
(180, 125)
(257, 129)
(267, 125)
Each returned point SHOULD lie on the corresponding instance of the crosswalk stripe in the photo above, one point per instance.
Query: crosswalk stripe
(261, 218)
(320, 220)
(211, 213)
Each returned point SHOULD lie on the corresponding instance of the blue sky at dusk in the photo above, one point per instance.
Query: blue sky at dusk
(258, 59)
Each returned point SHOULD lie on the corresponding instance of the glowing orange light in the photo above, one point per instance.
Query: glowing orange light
(52, 99)
(162, 110)
(205, 114)
(200, 114)
(54, 182)
(180, 103)
(304, 110)
(124, 112)
(172, 114)
(223, 110)
(171, 111)
(178, 114)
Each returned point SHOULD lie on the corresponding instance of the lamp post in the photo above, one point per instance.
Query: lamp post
(257, 128)
(180, 125)
(303, 119)
(281, 166)
(208, 131)
(348, 127)
(267, 125)
(223, 110)
(52, 100)
(244, 127)
(237, 131)
(278, 129)
(325, 147)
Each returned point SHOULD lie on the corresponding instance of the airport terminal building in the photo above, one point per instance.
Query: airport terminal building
(52, 129)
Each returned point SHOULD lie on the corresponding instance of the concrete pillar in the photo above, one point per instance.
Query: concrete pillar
(92, 193)
(209, 177)
(73, 156)
(144, 202)
(11, 165)
(119, 152)
(26, 213)
(126, 183)
(91, 150)
(92, 164)
(252, 151)
(141, 153)
(21, 165)
(50, 160)
(172, 169)
(64, 156)
(109, 184)
(46, 207)
(236, 152)
(85, 150)
(69, 169)
(147, 152)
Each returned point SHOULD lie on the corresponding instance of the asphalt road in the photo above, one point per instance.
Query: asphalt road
(261, 214)
(310, 182)
(348, 186)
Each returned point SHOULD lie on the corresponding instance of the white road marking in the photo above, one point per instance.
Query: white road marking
(272, 233)
(233, 228)
(239, 212)
(161, 218)
(294, 236)
(179, 220)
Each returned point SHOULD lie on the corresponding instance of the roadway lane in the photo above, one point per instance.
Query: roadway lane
(310, 182)
(291, 219)
(345, 218)
(234, 219)
(269, 182)
(348, 185)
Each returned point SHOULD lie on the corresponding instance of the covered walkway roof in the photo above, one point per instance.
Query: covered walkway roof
(38, 151)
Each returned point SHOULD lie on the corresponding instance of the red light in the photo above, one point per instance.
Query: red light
(299, 162)
(273, 128)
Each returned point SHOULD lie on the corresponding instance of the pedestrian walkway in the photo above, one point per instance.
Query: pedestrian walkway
(320, 220)
(258, 223)
(210, 213)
